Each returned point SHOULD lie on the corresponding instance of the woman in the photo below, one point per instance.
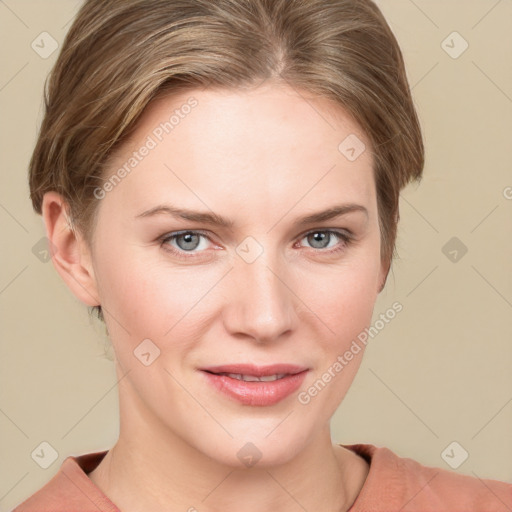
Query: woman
(220, 181)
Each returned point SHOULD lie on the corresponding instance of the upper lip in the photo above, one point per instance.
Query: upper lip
(257, 371)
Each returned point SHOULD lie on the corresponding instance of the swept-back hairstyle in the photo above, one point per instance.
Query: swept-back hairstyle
(119, 55)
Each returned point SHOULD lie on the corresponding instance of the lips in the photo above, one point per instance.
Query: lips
(257, 371)
(256, 385)
(254, 378)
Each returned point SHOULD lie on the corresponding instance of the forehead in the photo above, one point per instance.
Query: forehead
(267, 145)
(228, 116)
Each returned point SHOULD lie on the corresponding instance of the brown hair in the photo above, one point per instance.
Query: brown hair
(120, 54)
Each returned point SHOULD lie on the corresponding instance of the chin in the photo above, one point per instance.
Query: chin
(256, 447)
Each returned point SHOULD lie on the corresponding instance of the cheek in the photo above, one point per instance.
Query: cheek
(135, 293)
(144, 296)
(345, 306)
(343, 298)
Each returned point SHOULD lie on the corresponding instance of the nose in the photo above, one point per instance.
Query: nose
(262, 302)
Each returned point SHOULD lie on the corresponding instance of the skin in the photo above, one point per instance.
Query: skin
(262, 158)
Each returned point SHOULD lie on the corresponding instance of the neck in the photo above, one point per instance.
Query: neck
(152, 468)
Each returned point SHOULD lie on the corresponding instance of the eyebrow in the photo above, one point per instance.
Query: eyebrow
(217, 220)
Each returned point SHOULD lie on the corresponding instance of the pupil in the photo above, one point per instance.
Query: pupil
(319, 237)
(188, 239)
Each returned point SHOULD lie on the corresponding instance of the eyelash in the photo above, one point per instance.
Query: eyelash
(345, 237)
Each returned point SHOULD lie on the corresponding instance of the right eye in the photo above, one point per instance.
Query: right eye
(185, 242)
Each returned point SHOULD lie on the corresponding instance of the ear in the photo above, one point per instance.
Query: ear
(386, 261)
(384, 272)
(70, 253)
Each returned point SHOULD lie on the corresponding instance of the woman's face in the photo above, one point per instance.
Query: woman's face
(264, 288)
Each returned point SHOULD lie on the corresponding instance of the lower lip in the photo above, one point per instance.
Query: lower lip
(257, 393)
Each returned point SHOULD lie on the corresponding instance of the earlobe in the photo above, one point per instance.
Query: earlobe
(70, 255)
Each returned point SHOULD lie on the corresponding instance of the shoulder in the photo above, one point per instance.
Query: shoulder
(70, 489)
(402, 483)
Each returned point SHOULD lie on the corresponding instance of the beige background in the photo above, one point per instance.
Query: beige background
(439, 372)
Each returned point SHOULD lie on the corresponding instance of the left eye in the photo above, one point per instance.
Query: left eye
(318, 238)
(190, 241)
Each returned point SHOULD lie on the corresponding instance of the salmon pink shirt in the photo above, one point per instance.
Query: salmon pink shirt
(393, 484)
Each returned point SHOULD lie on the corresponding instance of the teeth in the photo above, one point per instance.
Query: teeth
(268, 378)
(253, 378)
(247, 378)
